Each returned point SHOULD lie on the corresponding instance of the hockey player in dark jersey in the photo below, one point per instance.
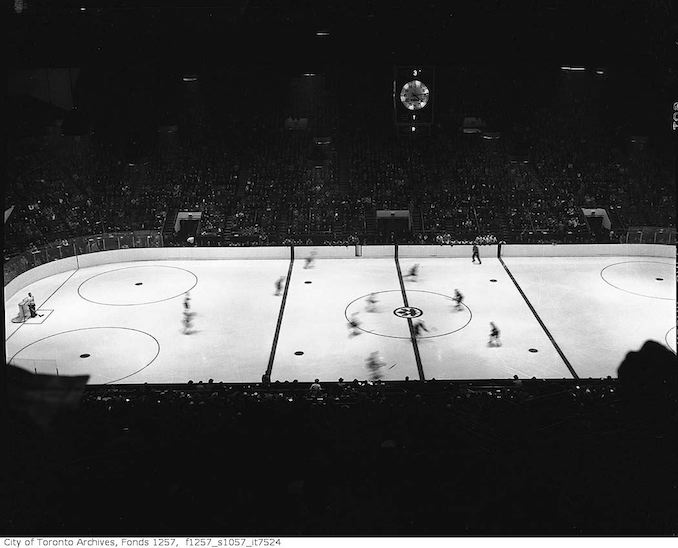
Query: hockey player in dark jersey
(372, 302)
(494, 335)
(278, 285)
(476, 254)
(413, 273)
(418, 327)
(458, 298)
(353, 325)
(310, 260)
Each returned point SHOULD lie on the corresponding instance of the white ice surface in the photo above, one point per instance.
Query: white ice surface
(315, 323)
(597, 309)
(465, 353)
(596, 323)
(235, 318)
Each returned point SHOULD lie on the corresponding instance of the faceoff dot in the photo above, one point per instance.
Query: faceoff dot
(84, 355)
(533, 350)
(298, 353)
(139, 283)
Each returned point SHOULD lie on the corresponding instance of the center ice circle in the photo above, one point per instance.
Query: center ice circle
(407, 312)
(134, 285)
(641, 278)
(121, 352)
(439, 312)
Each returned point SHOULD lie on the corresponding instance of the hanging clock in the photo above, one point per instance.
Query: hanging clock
(414, 95)
(414, 112)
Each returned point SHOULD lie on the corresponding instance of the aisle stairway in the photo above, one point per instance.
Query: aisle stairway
(415, 216)
(370, 225)
(168, 224)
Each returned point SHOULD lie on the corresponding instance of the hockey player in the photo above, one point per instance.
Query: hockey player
(458, 298)
(413, 273)
(372, 302)
(476, 254)
(374, 364)
(187, 301)
(31, 305)
(354, 325)
(188, 321)
(494, 335)
(278, 285)
(310, 260)
(418, 327)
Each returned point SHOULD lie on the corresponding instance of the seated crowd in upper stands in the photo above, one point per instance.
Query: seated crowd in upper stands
(284, 187)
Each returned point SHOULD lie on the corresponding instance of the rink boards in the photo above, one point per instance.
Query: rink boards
(559, 316)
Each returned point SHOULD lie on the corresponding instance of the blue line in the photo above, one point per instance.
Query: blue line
(543, 326)
(269, 368)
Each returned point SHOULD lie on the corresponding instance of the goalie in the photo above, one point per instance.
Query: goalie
(26, 310)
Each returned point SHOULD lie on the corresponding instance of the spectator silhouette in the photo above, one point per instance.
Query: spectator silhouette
(648, 381)
(315, 388)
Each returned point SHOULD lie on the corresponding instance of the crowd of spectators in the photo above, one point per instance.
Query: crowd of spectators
(323, 184)
(355, 457)
(446, 239)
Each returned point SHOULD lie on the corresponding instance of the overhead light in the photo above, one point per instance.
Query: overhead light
(600, 71)
(322, 33)
(414, 128)
(309, 74)
(83, 9)
(190, 78)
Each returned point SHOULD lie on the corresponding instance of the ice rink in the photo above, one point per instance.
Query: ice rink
(122, 323)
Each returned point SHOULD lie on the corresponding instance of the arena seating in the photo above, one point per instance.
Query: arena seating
(282, 186)
(432, 458)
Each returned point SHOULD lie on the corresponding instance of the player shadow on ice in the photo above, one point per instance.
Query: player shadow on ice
(190, 331)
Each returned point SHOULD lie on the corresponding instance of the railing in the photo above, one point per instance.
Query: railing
(22, 262)
(579, 235)
(649, 235)
(81, 245)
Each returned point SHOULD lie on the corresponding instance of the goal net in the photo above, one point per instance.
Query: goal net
(37, 366)
(24, 312)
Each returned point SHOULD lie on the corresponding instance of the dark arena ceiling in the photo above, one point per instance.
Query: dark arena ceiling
(82, 32)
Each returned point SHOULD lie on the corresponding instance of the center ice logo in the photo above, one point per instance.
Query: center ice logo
(407, 312)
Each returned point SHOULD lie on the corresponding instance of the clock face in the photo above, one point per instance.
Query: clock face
(414, 95)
